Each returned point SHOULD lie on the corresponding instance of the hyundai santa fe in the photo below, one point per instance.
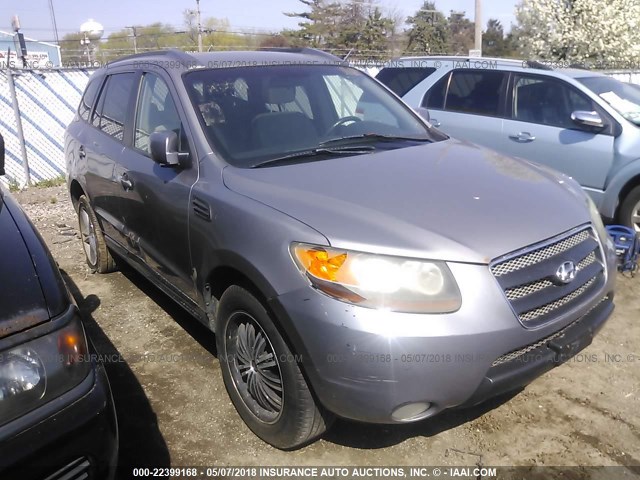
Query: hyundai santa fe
(351, 259)
(576, 120)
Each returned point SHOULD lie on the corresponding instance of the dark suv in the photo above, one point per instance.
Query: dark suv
(351, 259)
(57, 418)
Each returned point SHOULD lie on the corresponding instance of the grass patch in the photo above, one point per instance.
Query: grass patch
(52, 182)
(14, 186)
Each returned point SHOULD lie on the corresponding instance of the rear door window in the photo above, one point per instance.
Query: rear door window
(402, 80)
(113, 105)
(478, 92)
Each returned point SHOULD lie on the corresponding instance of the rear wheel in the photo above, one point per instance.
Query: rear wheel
(95, 248)
(262, 376)
(630, 210)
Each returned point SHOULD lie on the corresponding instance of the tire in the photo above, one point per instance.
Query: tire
(272, 397)
(96, 253)
(630, 210)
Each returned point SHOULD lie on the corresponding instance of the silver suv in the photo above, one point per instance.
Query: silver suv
(351, 259)
(578, 121)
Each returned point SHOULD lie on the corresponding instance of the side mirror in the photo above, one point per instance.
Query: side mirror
(164, 149)
(590, 120)
(424, 113)
(1, 155)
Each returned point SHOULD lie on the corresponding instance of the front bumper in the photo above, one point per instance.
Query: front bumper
(364, 364)
(78, 435)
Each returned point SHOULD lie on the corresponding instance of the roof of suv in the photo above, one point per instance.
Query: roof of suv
(509, 63)
(228, 59)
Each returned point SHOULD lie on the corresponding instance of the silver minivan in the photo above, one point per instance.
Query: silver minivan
(578, 121)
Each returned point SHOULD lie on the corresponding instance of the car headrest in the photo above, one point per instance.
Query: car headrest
(280, 94)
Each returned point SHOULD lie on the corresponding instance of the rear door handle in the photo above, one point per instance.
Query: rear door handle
(524, 137)
(81, 153)
(126, 182)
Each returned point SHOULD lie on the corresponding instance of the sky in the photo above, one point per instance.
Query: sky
(262, 15)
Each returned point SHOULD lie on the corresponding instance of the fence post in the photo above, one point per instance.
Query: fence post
(16, 111)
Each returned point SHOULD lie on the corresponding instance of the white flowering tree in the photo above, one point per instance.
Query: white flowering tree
(606, 31)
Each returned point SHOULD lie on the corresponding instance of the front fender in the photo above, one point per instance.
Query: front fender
(627, 175)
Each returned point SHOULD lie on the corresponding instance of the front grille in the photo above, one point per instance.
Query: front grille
(529, 281)
(515, 354)
(79, 469)
(540, 254)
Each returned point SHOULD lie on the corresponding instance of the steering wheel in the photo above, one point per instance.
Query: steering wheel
(341, 122)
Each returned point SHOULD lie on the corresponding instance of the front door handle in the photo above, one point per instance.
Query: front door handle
(435, 122)
(81, 153)
(126, 182)
(523, 137)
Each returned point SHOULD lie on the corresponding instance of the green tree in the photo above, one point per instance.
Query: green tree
(156, 36)
(320, 26)
(494, 43)
(71, 50)
(428, 32)
(461, 34)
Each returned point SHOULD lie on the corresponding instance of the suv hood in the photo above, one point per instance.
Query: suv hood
(448, 200)
(22, 302)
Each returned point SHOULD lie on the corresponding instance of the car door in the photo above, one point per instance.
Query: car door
(103, 145)
(469, 104)
(540, 129)
(155, 213)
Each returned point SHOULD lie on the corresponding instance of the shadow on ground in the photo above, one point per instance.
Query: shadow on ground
(141, 443)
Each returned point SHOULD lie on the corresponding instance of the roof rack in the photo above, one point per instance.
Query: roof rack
(538, 65)
(172, 52)
(580, 66)
(303, 50)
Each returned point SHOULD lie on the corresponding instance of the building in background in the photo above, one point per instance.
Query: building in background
(39, 54)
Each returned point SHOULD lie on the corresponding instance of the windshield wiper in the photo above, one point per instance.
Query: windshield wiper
(372, 137)
(315, 152)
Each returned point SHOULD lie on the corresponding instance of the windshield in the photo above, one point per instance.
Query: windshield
(255, 114)
(623, 97)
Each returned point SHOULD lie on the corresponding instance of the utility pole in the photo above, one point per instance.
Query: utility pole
(135, 38)
(199, 19)
(478, 24)
(53, 22)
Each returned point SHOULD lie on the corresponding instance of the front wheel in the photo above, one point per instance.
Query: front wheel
(630, 210)
(262, 376)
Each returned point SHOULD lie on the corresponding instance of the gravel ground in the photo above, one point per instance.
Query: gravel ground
(173, 408)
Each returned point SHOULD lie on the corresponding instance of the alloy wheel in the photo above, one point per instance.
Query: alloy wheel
(254, 367)
(87, 231)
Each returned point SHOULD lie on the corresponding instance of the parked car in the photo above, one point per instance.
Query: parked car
(351, 259)
(57, 418)
(580, 122)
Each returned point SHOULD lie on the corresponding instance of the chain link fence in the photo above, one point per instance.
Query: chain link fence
(35, 108)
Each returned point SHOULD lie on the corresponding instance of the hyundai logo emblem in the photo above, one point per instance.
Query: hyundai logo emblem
(566, 272)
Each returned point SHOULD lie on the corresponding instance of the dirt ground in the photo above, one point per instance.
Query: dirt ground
(173, 408)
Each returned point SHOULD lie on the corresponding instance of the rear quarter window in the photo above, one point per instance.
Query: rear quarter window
(89, 97)
(402, 80)
(113, 106)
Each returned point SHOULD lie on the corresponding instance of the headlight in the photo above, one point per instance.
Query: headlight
(41, 370)
(379, 281)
